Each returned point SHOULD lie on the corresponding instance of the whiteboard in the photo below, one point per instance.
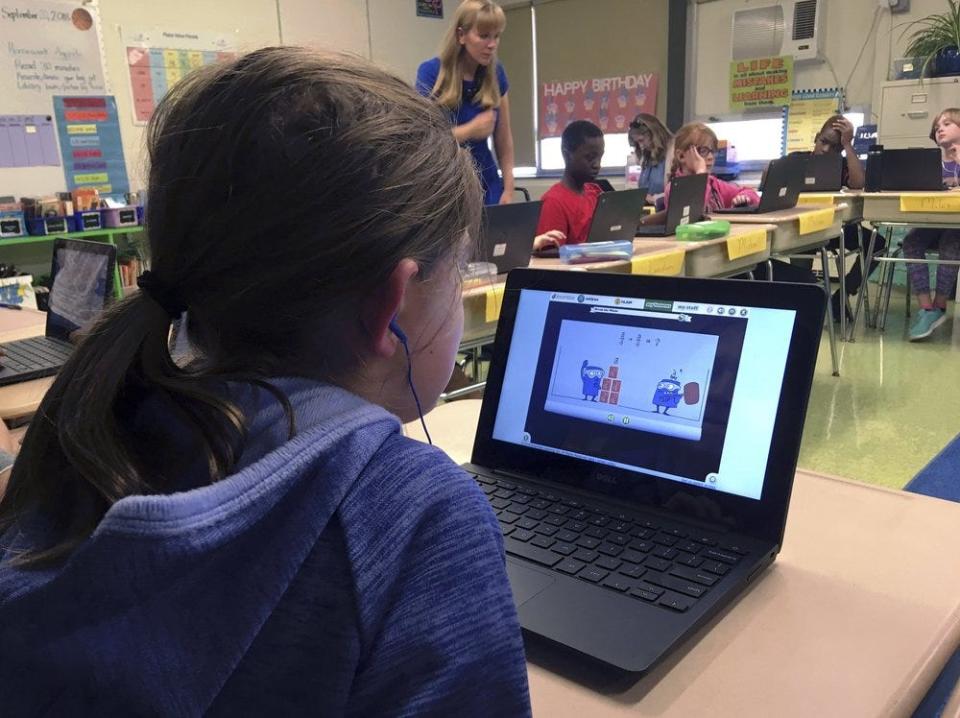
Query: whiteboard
(47, 48)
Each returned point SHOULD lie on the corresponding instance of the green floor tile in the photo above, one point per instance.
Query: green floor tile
(895, 405)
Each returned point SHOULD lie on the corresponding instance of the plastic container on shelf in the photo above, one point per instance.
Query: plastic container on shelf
(42, 226)
(88, 220)
(12, 224)
(117, 217)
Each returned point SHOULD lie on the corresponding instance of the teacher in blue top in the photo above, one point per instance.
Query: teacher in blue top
(468, 81)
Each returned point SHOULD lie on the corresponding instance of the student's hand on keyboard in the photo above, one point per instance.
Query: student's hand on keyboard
(741, 200)
(553, 238)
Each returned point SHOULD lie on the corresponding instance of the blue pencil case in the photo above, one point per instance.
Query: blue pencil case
(596, 252)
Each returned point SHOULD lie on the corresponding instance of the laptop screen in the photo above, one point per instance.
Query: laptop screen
(685, 391)
(81, 283)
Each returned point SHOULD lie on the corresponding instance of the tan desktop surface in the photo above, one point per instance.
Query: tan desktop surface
(856, 617)
(21, 398)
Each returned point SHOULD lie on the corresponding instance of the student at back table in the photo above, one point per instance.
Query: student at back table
(251, 534)
(933, 307)
(836, 138)
(568, 206)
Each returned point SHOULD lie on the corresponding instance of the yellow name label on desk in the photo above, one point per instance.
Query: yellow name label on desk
(663, 265)
(744, 244)
(934, 202)
(812, 198)
(816, 221)
(494, 303)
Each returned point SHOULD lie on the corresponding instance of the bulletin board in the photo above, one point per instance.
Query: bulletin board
(47, 48)
(805, 115)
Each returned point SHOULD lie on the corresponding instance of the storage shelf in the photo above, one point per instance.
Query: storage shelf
(89, 234)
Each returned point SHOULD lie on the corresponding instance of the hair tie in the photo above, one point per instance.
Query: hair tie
(151, 285)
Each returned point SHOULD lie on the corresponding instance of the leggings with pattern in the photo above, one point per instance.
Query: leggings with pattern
(947, 244)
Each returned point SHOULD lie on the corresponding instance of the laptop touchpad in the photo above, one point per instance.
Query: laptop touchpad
(526, 582)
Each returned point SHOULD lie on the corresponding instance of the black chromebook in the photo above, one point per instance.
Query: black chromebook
(638, 440)
(507, 234)
(81, 274)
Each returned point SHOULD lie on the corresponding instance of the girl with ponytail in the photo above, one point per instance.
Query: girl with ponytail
(250, 532)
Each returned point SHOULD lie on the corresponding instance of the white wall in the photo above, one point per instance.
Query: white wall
(845, 31)
(329, 24)
(400, 41)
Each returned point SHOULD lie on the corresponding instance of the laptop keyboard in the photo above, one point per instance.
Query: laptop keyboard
(34, 354)
(669, 565)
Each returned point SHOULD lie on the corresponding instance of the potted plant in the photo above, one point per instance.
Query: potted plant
(935, 42)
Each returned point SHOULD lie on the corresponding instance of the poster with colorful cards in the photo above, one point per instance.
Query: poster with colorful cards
(608, 102)
(89, 132)
(158, 59)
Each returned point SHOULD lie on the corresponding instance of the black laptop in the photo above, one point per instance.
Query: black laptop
(823, 173)
(780, 189)
(617, 215)
(911, 170)
(638, 440)
(82, 278)
(507, 233)
(687, 196)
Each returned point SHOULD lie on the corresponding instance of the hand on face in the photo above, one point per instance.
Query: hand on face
(845, 128)
(692, 162)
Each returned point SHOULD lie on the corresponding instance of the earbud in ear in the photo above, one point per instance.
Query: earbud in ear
(398, 332)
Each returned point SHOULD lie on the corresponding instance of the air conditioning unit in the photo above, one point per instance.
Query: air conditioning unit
(791, 27)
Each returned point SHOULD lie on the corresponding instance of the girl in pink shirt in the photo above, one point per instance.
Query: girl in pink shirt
(695, 150)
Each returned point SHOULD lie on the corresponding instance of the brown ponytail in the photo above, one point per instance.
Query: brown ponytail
(283, 187)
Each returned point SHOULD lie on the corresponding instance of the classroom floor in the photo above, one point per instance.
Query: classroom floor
(894, 407)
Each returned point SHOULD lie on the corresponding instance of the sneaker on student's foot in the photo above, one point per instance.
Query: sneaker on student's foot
(927, 321)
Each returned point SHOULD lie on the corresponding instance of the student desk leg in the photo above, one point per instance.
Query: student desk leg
(825, 261)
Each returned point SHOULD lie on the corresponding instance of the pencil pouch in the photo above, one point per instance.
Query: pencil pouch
(700, 231)
(596, 252)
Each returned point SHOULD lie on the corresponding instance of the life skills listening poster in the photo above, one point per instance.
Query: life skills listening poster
(89, 132)
(608, 102)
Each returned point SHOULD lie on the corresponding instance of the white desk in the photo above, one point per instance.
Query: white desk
(857, 616)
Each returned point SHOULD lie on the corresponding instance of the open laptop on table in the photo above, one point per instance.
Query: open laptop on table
(638, 440)
(507, 234)
(911, 170)
(617, 215)
(780, 189)
(686, 205)
(822, 173)
(82, 275)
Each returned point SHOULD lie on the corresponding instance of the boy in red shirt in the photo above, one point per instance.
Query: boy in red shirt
(568, 206)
